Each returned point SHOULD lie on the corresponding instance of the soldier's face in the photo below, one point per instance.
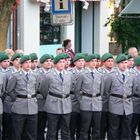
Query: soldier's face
(67, 62)
(60, 65)
(79, 63)
(122, 65)
(16, 63)
(92, 64)
(47, 64)
(26, 65)
(109, 63)
(130, 63)
(34, 64)
(98, 63)
(5, 64)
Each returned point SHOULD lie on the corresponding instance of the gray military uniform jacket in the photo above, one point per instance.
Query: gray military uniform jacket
(105, 97)
(7, 104)
(75, 102)
(42, 73)
(136, 93)
(2, 89)
(114, 84)
(53, 83)
(19, 85)
(92, 86)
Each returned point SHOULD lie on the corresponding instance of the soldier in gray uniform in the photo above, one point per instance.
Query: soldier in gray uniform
(90, 85)
(118, 88)
(46, 65)
(4, 62)
(136, 98)
(56, 89)
(108, 67)
(2, 91)
(34, 62)
(7, 120)
(75, 115)
(21, 88)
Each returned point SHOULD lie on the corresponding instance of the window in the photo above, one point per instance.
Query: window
(49, 34)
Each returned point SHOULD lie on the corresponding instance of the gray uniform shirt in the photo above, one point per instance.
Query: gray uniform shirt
(89, 85)
(53, 83)
(75, 102)
(114, 84)
(42, 73)
(19, 85)
(2, 89)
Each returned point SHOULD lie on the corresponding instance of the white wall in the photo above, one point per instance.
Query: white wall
(68, 31)
(29, 31)
(101, 39)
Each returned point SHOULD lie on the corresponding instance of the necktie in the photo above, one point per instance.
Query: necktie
(27, 76)
(60, 74)
(123, 77)
(92, 74)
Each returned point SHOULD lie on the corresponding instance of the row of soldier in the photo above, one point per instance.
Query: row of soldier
(84, 102)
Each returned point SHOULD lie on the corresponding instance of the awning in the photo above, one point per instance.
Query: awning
(131, 10)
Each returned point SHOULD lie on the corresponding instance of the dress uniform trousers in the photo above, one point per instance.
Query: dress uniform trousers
(54, 120)
(27, 122)
(75, 121)
(1, 127)
(120, 127)
(93, 119)
(41, 125)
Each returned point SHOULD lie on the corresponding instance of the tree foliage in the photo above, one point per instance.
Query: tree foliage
(126, 31)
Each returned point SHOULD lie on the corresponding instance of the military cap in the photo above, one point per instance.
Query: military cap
(90, 57)
(3, 56)
(106, 56)
(78, 56)
(44, 58)
(52, 57)
(33, 56)
(66, 55)
(121, 57)
(24, 58)
(58, 58)
(129, 56)
(97, 56)
(16, 55)
(137, 61)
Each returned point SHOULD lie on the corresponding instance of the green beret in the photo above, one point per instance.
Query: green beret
(33, 56)
(106, 56)
(137, 61)
(52, 57)
(24, 58)
(16, 55)
(129, 56)
(3, 56)
(90, 57)
(78, 56)
(59, 57)
(45, 57)
(97, 56)
(120, 58)
(66, 55)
